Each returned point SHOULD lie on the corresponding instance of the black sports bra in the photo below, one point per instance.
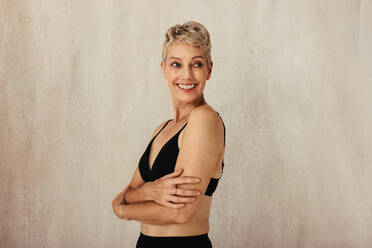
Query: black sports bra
(165, 161)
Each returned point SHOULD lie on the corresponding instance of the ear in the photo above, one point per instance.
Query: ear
(210, 71)
(162, 65)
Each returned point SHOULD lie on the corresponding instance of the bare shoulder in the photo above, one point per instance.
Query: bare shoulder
(207, 122)
(205, 114)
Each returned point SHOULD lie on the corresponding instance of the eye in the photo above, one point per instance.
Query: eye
(175, 64)
(198, 64)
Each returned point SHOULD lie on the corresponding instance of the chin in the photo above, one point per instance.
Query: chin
(186, 99)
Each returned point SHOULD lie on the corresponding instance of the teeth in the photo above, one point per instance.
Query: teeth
(186, 87)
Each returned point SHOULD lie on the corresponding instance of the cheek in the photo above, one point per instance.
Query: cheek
(170, 75)
(201, 74)
(173, 75)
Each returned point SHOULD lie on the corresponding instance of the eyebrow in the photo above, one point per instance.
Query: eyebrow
(191, 58)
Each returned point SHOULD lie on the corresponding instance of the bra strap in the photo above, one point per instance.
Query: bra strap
(162, 127)
(182, 127)
(224, 137)
(224, 129)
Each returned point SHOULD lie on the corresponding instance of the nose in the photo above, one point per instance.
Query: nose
(187, 73)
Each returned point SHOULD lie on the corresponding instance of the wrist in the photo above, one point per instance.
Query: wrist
(145, 191)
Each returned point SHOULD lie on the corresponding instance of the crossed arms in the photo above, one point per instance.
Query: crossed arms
(173, 199)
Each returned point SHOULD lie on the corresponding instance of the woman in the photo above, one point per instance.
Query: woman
(174, 209)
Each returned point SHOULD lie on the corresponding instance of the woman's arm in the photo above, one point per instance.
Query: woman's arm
(158, 212)
(138, 190)
(202, 143)
(162, 191)
(149, 212)
(198, 157)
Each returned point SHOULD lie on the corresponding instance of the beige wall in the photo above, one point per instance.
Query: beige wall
(81, 93)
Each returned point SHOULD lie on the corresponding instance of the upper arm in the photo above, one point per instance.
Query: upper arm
(137, 180)
(198, 155)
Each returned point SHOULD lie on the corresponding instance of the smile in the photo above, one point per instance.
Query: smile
(186, 86)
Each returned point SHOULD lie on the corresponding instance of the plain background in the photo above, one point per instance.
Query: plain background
(81, 92)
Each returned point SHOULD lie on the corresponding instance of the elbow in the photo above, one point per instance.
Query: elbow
(119, 211)
(121, 214)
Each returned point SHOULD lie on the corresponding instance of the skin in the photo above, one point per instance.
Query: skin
(201, 153)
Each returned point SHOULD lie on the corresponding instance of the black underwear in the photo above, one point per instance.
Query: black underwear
(199, 241)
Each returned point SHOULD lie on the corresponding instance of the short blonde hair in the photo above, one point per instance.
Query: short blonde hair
(191, 32)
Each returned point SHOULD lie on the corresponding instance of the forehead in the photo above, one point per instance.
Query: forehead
(184, 50)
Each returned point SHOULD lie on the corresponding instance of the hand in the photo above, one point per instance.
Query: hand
(164, 190)
(118, 202)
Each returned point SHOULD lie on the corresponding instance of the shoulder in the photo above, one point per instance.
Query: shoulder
(204, 112)
(204, 120)
(205, 115)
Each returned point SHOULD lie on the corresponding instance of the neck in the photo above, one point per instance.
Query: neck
(183, 109)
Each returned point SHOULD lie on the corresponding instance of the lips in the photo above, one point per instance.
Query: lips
(186, 87)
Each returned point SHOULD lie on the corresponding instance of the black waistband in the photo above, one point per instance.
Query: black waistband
(174, 237)
(145, 241)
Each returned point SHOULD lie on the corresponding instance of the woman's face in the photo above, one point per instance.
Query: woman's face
(186, 72)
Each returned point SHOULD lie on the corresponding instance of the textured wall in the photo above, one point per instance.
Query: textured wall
(81, 92)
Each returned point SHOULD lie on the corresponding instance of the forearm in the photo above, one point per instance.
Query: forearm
(151, 213)
(137, 195)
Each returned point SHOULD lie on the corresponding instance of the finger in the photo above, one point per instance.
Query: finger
(127, 188)
(184, 180)
(187, 192)
(173, 205)
(174, 174)
(178, 199)
(118, 195)
(118, 198)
